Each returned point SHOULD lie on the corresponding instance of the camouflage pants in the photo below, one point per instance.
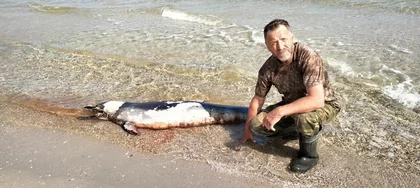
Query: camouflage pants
(308, 124)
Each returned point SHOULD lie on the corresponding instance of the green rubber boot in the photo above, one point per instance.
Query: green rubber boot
(308, 156)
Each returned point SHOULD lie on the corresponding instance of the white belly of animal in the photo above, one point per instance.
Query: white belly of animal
(184, 112)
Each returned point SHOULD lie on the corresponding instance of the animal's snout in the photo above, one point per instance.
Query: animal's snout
(90, 112)
(90, 107)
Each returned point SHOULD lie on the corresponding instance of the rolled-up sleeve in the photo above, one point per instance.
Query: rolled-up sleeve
(263, 83)
(313, 71)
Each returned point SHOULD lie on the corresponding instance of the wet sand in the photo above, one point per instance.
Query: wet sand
(40, 149)
(35, 157)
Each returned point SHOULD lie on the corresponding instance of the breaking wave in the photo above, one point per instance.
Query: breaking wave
(185, 16)
(403, 92)
(51, 9)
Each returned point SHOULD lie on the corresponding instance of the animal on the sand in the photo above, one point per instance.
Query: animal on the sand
(165, 114)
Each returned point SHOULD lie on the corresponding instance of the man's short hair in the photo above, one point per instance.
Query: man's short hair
(274, 25)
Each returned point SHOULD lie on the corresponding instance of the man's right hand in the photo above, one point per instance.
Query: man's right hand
(247, 135)
(254, 106)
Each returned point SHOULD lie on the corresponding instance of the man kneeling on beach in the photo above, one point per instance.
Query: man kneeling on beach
(308, 98)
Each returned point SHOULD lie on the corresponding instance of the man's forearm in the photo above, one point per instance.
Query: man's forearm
(312, 101)
(254, 106)
(302, 105)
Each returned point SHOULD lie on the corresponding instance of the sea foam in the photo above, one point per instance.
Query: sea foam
(184, 16)
(403, 93)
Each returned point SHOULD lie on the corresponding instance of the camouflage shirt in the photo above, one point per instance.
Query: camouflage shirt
(306, 70)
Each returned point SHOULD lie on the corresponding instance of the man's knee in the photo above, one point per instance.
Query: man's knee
(307, 124)
(310, 123)
(257, 127)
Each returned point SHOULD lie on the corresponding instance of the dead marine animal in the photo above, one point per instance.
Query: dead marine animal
(165, 114)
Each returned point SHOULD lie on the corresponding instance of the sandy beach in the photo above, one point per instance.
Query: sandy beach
(40, 149)
(32, 156)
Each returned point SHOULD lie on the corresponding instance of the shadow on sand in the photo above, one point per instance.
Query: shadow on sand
(274, 145)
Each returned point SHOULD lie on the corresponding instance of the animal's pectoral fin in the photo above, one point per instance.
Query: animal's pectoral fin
(130, 128)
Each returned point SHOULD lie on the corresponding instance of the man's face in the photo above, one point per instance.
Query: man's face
(280, 43)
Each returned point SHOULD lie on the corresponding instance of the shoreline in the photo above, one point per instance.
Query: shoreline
(37, 156)
(28, 127)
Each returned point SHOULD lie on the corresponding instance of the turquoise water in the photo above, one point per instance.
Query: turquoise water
(374, 41)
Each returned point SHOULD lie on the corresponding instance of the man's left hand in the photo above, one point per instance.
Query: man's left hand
(270, 120)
